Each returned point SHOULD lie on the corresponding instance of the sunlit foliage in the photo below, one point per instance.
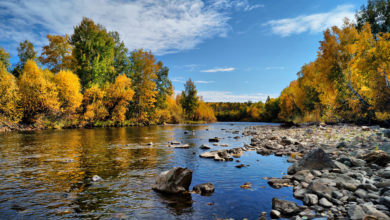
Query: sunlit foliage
(69, 91)
(9, 97)
(58, 54)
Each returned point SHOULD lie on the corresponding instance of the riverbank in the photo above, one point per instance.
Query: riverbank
(337, 171)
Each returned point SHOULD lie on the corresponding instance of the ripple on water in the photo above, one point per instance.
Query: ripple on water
(48, 174)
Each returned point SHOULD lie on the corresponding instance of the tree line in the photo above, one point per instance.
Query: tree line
(91, 79)
(349, 79)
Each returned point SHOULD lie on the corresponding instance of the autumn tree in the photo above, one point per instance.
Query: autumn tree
(9, 97)
(204, 112)
(93, 50)
(26, 52)
(118, 97)
(93, 105)
(58, 54)
(39, 96)
(144, 71)
(69, 91)
(4, 58)
(189, 100)
(122, 62)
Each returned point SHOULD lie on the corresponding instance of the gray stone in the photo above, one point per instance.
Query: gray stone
(337, 194)
(204, 147)
(286, 208)
(204, 188)
(175, 180)
(299, 193)
(316, 173)
(325, 203)
(377, 157)
(315, 160)
(361, 193)
(278, 183)
(275, 214)
(310, 199)
(355, 212)
(303, 175)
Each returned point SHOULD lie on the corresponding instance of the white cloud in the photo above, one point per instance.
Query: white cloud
(274, 68)
(203, 81)
(238, 4)
(225, 96)
(313, 22)
(163, 26)
(226, 69)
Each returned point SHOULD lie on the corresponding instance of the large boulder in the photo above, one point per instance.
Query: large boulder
(173, 181)
(286, 208)
(315, 160)
(378, 157)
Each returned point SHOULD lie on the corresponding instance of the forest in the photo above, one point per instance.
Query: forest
(91, 79)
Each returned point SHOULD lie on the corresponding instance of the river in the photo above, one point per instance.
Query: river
(47, 174)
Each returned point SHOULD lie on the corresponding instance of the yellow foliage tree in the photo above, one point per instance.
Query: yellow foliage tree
(9, 97)
(204, 113)
(69, 91)
(118, 96)
(93, 104)
(38, 92)
(58, 54)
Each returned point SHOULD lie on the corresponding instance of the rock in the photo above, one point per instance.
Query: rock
(246, 185)
(355, 212)
(337, 194)
(361, 193)
(180, 146)
(365, 128)
(96, 178)
(321, 188)
(303, 175)
(316, 173)
(385, 173)
(307, 214)
(236, 152)
(325, 203)
(369, 209)
(174, 143)
(173, 181)
(263, 216)
(310, 199)
(377, 157)
(223, 156)
(315, 160)
(204, 188)
(275, 214)
(204, 147)
(215, 139)
(150, 144)
(240, 165)
(288, 141)
(385, 200)
(237, 137)
(224, 145)
(286, 208)
(299, 193)
(278, 183)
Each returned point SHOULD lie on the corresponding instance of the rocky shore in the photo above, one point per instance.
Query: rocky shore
(339, 171)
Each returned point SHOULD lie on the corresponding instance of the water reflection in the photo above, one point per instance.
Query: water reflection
(47, 174)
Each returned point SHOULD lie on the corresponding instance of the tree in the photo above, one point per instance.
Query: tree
(38, 92)
(4, 58)
(118, 97)
(164, 86)
(58, 54)
(93, 105)
(377, 14)
(144, 71)
(204, 113)
(69, 91)
(93, 50)
(25, 52)
(189, 100)
(9, 97)
(122, 63)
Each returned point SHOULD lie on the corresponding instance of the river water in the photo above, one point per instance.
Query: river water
(48, 174)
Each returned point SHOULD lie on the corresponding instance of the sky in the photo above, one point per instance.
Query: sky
(234, 50)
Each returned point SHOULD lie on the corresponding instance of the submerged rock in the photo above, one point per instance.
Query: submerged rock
(215, 139)
(173, 181)
(96, 178)
(204, 147)
(204, 188)
(278, 183)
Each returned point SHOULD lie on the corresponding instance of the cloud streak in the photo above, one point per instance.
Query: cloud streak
(162, 26)
(226, 96)
(214, 70)
(313, 23)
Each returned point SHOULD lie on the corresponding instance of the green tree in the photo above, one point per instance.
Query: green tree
(377, 14)
(164, 86)
(189, 99)
(122, 62)
(93, 50)
(25, 52)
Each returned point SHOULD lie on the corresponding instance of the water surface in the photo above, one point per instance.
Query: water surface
(47, 174)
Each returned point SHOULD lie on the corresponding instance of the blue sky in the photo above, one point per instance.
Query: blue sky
(234, 50)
